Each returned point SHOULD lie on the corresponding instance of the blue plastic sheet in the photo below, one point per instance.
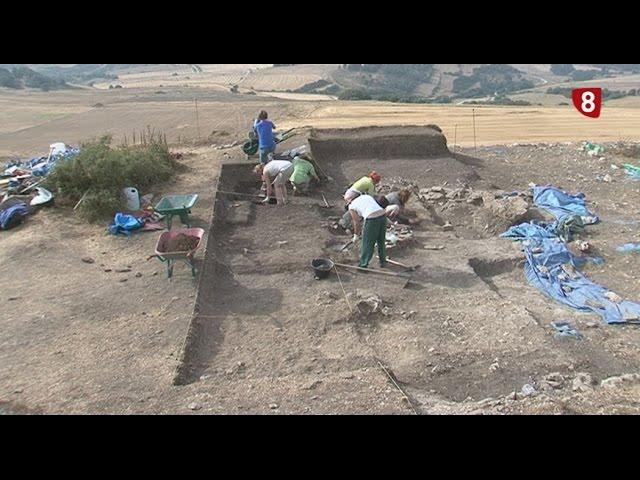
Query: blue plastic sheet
(125, 224)
(629, 248)
(11, 214)
(553, 269)
(561, 204)
(559, 279)
(534, 229)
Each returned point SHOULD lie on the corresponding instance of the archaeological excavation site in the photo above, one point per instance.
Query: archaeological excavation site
(454, 325)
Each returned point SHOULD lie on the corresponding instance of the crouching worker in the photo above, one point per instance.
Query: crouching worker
(275, 175)
(370, 220)
(364, 186)
(303, 175)
(397, 203)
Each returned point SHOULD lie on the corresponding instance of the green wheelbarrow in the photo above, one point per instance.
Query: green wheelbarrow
(177, 206)
(251, 146)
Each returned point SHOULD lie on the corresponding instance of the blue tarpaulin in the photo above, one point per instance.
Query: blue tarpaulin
(554, 272)
(552, 268)
(534, 229)
(125, 224)
(12, 215)
(560, 204)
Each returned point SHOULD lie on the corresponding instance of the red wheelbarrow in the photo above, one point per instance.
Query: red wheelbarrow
(166, 254)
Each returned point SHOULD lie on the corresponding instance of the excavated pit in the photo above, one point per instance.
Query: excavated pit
(467, 309)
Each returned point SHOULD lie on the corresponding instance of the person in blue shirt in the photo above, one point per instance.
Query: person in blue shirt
(264, 129)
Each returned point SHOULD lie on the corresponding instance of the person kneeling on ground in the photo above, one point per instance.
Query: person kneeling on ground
(397, 204)
(264, 129)
(364, 186)
(275, 175)
(303, 174)
(370, 211)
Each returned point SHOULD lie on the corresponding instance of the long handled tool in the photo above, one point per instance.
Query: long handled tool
(402, 265)
(375, 272)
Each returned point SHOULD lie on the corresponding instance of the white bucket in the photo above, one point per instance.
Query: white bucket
(133, 199)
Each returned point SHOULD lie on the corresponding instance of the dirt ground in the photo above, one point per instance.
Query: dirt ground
(466, 333)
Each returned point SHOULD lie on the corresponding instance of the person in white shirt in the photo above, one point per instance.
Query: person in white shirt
(371, 212)
(275, 175)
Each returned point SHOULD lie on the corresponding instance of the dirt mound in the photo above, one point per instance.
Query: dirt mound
(379, 143)
(181, 243)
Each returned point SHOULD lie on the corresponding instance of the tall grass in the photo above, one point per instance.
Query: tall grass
(100, 173)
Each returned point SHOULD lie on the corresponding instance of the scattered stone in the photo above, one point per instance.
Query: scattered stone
(18, 390)
(613, 297)
(369, 306)
(475, 199)
(429, 247)
(13, 299)
(555, 380)
(154, 274)
(138, 275)
(274, 406)
(123, 280)
(582, 382)
(616, 382)
(494, 367)
(194, 406)
(123, 270)
(107, 270)
(88, 260)
(312, 385)
(592, 325)
(529, 390)
(240, 367)
(447, 227)
(607, 178)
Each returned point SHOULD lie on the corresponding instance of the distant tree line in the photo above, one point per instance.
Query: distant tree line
(24, 77)
(493, 79)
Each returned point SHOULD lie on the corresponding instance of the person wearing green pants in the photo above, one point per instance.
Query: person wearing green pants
(371, 212)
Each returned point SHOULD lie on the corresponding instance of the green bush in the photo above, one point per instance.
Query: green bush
(101, 172)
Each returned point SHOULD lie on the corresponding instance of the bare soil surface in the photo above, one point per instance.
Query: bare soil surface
(461, 337)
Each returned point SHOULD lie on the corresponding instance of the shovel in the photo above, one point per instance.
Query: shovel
(402, 265)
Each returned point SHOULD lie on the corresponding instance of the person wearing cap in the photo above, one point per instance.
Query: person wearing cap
(275, 175)
(364, 186)
(303, 173)
(370, 220)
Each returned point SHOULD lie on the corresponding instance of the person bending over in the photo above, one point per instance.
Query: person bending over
(370, 220)
(275, 175)
(364, 186)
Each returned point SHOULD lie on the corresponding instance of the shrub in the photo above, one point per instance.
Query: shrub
(101, 172)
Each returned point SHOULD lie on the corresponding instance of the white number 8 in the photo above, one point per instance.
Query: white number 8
(588, 102)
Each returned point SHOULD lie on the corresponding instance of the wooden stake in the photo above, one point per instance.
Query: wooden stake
(475, 142)
(197, 119)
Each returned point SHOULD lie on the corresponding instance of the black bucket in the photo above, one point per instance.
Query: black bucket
(322, 268)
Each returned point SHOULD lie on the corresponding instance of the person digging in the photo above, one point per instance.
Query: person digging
(364, 186)
(304, 175)
(370, 220)
(275, 175)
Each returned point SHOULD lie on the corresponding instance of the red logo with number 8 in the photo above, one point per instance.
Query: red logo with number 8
(588, 101)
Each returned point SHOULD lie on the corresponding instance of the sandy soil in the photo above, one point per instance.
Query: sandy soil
(78, 340)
